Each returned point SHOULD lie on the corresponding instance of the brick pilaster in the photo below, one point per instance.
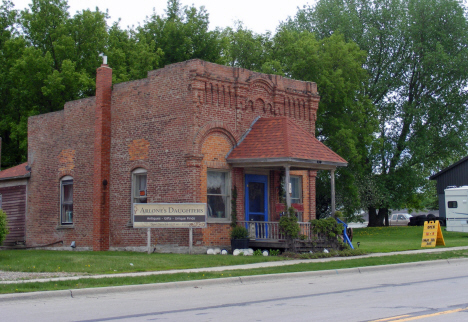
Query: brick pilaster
(102, 147)
(312, 192)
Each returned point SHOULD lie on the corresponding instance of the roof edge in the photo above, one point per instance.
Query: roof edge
(434, 176)
(17, 177)
(287, 160)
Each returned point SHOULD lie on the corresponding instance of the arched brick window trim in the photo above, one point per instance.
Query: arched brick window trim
(209, 128)
(139, 164)
(64, 173)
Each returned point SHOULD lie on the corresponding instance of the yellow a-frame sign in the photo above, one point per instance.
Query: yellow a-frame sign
(432, 234)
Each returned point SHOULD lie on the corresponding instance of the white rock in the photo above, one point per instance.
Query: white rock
(236, 252)
(217, 250)
(210, 251)
(224, 252)
(325, 251)
(265, 253)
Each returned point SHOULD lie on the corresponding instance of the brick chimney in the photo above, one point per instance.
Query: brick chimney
(102, 147)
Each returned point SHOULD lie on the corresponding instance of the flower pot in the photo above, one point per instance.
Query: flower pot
(239, 244)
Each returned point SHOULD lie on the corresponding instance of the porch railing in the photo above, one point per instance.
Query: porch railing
(270, 229)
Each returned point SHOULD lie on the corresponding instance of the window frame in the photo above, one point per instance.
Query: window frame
(300, 188)
(452, 204)
(66, 181)
(228, 196)
(138, 172)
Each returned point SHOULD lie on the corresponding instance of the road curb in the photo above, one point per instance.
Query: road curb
(73, 293)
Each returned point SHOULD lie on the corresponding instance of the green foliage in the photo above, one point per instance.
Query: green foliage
(3, 226)
(416, 60)
(288, 224)
(331, 253)
(131, 55)
(246, 49)
(258, 252)
(49, 57)
(234, 207)
(239, 232)
(182, 34)
(281, 191)
(346, 118)
(274, 252)
(328, 227)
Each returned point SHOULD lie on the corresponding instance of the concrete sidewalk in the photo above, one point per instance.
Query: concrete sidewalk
(237, 267)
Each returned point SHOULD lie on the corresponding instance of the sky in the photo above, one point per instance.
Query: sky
(258, 15)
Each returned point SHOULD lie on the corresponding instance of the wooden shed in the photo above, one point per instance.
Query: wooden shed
(13, 198)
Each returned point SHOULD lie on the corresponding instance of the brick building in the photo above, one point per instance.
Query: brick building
(187, 133)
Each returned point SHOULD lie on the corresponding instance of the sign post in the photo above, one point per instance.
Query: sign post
(190, 240)
(149, 240)
(169, 215)
(432, 234)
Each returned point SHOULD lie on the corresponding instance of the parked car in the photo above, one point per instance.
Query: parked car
(399, 220)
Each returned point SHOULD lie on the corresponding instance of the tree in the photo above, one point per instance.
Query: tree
(182, 34)
(49, 60)
(345, 118)
(246, 49)
(417, 62)
(132, 56)
(9, 49)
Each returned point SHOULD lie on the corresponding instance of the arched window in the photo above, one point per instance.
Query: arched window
(66, 200)
(139, 186)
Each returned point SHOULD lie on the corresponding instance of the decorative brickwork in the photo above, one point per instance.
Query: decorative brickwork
(67, 160)
(138, 149)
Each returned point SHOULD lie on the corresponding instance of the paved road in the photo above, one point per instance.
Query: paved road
(434, 291)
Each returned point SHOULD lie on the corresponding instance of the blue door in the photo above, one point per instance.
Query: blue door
(256, 197)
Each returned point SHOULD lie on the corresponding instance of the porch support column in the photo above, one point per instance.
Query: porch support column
(286, 187)
(332, 175)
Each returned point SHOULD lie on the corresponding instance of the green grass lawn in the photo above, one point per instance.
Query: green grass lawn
(390, 239)
(382, 239)
(114, 262)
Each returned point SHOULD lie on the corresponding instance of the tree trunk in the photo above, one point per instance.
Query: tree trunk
(383, 217)
(378, 219)
(372, 217)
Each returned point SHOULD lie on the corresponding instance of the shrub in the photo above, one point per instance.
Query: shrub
(3, 226)
(288, 224)
(239, 232)
(328, 227)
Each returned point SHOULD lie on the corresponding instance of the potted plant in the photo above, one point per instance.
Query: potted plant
(239, 238)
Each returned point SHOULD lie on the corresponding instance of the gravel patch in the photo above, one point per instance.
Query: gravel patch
(19, 276)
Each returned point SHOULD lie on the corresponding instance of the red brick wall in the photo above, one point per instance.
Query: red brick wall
(159, 123)
(60, 144)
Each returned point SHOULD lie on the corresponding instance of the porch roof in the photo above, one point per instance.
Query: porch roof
(278, 142)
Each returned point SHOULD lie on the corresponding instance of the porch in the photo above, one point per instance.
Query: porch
(267, 235)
